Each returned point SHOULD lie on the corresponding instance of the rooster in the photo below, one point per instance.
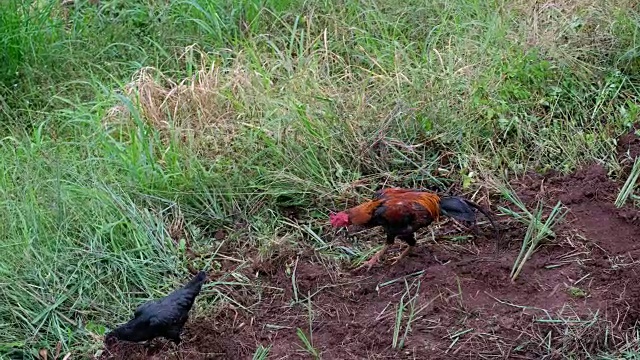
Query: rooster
(402, 212)
(161, 318)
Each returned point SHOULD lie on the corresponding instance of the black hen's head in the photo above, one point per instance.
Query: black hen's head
(112, 337)
(124, 332)
(199, 278)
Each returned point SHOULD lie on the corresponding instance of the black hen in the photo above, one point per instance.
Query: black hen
(161, 318)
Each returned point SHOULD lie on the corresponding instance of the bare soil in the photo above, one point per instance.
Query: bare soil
(579, 294)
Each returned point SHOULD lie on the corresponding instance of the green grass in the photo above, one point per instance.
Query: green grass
(629, 185)
(308, 341)
(115, 116)
(537, 229)
(406, 308)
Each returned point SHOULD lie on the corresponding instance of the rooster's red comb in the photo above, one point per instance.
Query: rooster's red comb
(339, 219)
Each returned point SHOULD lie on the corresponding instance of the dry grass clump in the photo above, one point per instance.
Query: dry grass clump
(204, 111)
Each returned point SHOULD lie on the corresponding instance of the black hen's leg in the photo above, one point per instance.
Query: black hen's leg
(174, 335)
(148, 345)
(411, 242)
(474, 228)
(376, 258)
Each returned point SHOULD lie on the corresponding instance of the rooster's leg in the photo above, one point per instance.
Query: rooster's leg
(374, 259)
(411, 241)
(404, 253)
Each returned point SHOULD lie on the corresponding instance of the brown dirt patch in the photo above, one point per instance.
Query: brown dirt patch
(578, 295)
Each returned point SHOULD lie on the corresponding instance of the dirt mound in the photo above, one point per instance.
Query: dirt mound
(577, 295)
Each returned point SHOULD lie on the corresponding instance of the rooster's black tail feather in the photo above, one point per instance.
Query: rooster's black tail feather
(463, 209)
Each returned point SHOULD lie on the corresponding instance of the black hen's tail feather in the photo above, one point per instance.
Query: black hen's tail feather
(188, 292)
(198, 279)
(462, 209)
(195, 285)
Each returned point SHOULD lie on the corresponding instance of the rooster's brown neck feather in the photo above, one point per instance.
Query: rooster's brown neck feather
(361, 214)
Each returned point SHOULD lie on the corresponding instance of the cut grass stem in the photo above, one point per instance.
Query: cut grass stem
(629, 185)
(537, 229)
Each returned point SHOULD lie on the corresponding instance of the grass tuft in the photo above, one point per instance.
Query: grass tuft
(537, 228)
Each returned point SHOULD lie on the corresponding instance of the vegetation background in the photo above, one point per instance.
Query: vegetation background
(132, 131)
